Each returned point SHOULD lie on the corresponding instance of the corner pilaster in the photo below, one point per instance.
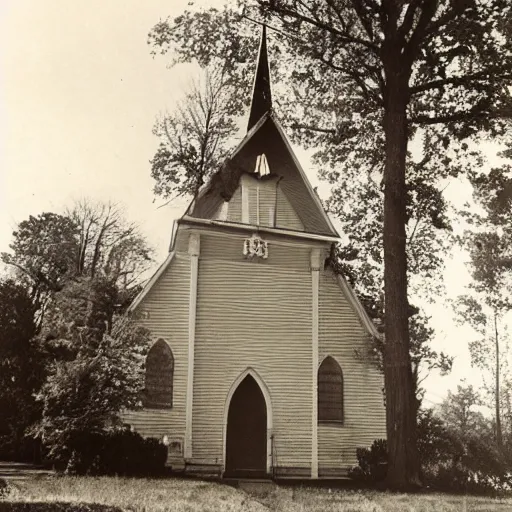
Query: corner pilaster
(193, 251)
(315, 283)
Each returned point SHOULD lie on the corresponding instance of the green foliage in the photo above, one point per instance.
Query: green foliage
(69, 362)
(472, 462)
(21, 369)
(436, 445)
(372, 462)
(194, 138)
(453, 459)
(94, 375)
(55, 506)
(488, 300)
(43, 252)
(458, 412)
(116, 452)
(50, 251)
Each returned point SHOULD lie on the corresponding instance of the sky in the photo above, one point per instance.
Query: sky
(79, 94)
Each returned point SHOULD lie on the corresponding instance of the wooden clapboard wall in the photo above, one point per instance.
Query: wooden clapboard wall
(164, 312)
(342, 336)
(253, 314)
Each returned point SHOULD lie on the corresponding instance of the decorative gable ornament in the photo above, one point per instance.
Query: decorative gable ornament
(262, 168)
(255, 246)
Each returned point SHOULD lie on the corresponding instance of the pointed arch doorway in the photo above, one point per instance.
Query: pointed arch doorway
(247, 430)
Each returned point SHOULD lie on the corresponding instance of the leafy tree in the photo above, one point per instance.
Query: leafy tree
(21, 369)
(90, 240)
(485, 307)
(43, 252)
(459, 414)
(95, 370)
(82, 270)
(385, 72)
(478, 453)
(108, 244)
(194, 137)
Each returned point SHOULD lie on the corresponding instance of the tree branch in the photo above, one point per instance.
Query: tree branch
(273, 8)
(298, 126)
(464, 80)
(473, 114)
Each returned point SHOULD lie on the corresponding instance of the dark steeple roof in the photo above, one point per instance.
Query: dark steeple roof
(261, 101)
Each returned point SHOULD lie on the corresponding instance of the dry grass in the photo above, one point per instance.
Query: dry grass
(176, 495)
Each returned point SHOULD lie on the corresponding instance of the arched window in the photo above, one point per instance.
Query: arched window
(159, 376)
(330, 391)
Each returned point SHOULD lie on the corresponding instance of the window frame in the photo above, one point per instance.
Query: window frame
(150, 400)
(324, 417)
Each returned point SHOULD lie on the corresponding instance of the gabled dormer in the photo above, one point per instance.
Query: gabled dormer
(262, 185)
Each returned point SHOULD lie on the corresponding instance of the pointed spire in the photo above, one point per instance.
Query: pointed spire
(261, 101)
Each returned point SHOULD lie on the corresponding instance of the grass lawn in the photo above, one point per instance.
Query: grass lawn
(177, 495)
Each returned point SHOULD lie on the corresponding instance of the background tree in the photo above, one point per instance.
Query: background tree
(386, 71)
(108, 244)
(94, 375)
(80, 275)
(459, 411)
(43, 249)
(92, 239)
(21, 369)
(471, 458)
(194, 136)
(489, 243)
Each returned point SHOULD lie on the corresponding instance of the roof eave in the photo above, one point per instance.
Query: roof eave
(186, 219)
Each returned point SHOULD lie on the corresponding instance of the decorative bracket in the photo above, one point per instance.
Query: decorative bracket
(255, 246)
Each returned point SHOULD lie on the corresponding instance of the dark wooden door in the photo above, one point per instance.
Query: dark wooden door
(246, 438)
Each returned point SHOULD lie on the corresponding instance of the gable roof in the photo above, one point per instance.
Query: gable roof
(266, 137)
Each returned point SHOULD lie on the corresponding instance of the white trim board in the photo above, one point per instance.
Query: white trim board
(263, 229)
(358, 308)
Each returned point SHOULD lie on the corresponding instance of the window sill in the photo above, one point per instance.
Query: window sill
(339, 423)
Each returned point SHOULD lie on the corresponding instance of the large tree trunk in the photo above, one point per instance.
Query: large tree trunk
(404, 467)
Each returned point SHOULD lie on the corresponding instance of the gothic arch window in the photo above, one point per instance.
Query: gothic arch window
(330, 391)
(159, 376)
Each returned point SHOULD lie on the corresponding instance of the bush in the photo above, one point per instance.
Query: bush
(373, 463)
(118, 452)
(56, 507)
(5, 488)
(449, 462)
(26, 449)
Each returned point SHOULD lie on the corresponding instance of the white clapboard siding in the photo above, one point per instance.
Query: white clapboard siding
(258, 316)
(286, 216)
(231, 249)
(235, 206)
(167, 306)
(341, 335)
(270, 206)
(267, 202)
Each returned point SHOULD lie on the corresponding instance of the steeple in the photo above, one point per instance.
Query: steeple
(261, 101)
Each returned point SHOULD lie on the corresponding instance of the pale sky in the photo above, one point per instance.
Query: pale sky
(79, 93)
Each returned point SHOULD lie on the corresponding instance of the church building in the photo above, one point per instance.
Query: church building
(258, 365)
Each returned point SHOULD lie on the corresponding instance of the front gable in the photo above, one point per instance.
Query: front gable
(301, 209)
(260, 202)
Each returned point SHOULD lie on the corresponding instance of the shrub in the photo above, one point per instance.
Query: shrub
(373, 463)
(449, 461)
(56, 507)
(5, 488)
(118, 452)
